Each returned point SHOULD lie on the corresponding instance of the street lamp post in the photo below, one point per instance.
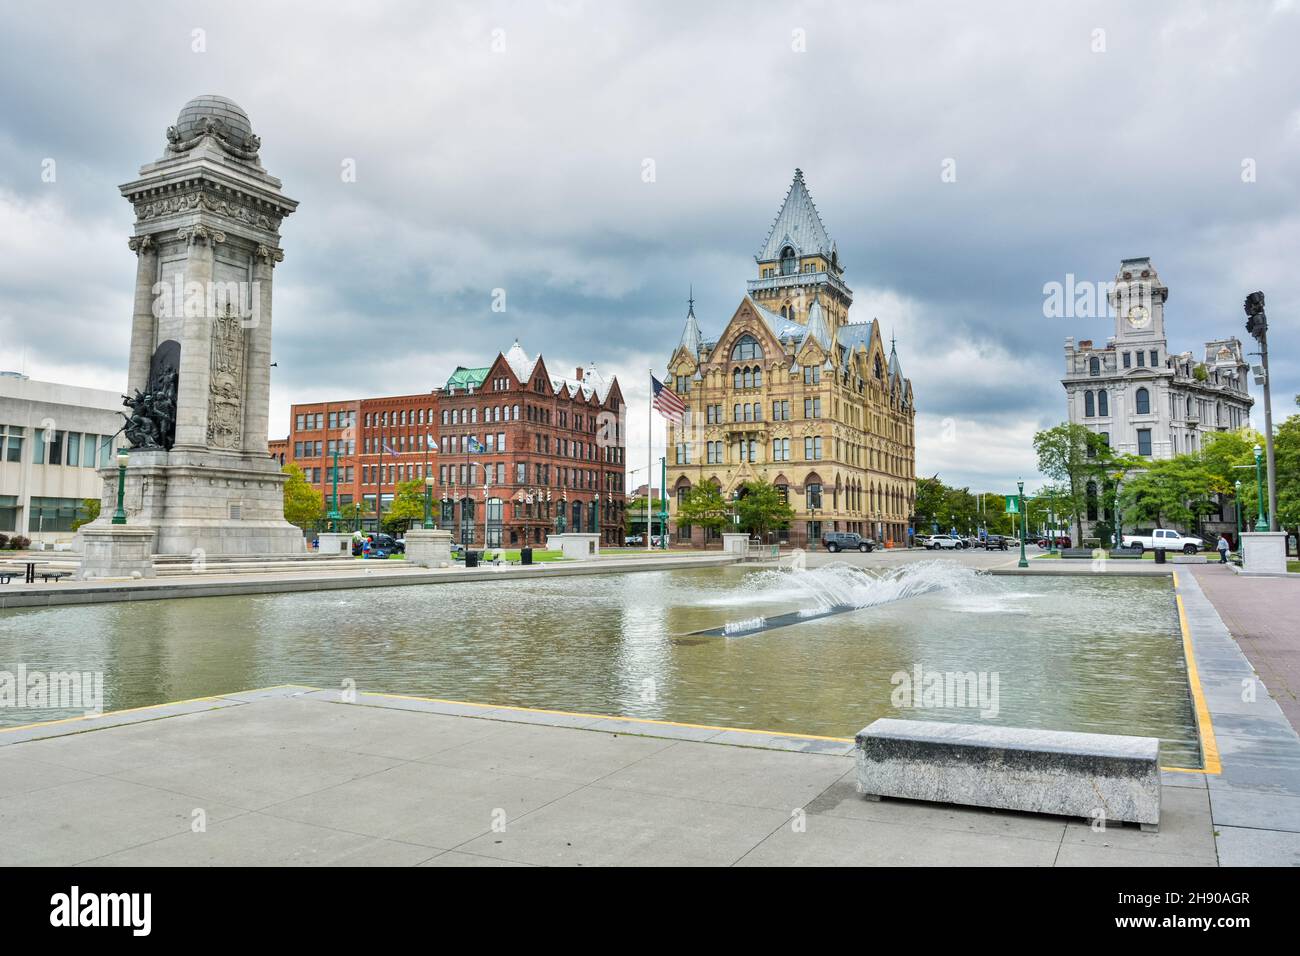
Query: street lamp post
(1020, 506)
(334, 515)
(1051, 521)
(1261, 522)
(1236, 506)
(428, 502)
(119, 516)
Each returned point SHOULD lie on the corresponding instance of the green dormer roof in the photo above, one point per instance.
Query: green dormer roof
(468, 377)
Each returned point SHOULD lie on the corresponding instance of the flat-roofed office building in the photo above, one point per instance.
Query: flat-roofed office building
(54, 438)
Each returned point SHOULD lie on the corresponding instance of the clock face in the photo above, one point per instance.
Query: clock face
(1139, 317)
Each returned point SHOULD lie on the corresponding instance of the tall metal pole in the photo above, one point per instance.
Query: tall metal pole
(1020, 507)
(649, 456)
(1268, 436)
(334, 515)
(1261, 522)
(663, 501)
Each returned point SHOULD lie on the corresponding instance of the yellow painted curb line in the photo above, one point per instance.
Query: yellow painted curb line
(1209, 744)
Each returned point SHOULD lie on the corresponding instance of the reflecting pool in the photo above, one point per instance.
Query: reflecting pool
(1089, 653)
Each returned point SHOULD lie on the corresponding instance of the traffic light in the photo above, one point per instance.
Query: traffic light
(1256, 321)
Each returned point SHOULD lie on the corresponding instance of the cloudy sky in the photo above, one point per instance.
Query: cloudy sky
(503, 146)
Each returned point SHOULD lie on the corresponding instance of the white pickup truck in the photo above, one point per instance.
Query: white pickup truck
(1163, 539)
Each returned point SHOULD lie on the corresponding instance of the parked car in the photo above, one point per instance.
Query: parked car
(635, 539)
(944, 542)
(1164, 539)
(836, 541)
(995, 542)
(386, 542)
(1062, 541)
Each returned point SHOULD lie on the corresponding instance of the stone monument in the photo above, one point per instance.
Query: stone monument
(207, 221)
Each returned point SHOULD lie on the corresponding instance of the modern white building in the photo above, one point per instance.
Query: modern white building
(1142, 398)
(53, 441)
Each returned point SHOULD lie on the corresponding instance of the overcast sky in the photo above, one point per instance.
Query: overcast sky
(503, 145)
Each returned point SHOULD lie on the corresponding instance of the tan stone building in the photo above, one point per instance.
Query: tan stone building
(792, 392)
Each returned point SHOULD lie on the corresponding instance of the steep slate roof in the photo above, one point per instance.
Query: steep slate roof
(817, 324)
(895, 367)
(797, 224)
(691, 338)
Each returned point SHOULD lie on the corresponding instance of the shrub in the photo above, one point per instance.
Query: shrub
(1092, 543)
(19, 543)
(4, 541)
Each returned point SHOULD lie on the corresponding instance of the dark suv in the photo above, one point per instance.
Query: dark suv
(995, 542)
(382, 542)
(834, 541)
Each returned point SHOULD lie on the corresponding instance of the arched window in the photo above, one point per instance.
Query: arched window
(758, 377)
(788, 264)
(1103, 403)
(748, 378)
(1089, 409)
(1094, 366)
(735, 379)
(1142, 402)
(746, 347)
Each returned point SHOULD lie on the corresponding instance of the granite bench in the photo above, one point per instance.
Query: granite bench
(1012, 768)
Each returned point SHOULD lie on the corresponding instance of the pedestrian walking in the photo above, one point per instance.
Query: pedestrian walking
(1223, 548)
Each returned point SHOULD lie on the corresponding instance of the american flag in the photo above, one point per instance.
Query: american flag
(667, 402)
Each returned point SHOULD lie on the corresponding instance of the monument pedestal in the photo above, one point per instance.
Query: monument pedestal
(334, 544)
(735, 543)
(1263, 552)
(429, 548)
(203, 501)
(577, 547)
(116, 551)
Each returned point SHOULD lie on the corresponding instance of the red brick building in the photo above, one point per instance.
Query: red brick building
(516, 446)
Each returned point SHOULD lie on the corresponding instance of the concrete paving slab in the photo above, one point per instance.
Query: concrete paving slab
(599, 826)
(253, 839)
(1174, 778)
(458, 859)
(837, 841)
(83, 820)
(551, 753)
(1239, 846)
(1185, 829)
(20, 772)
(428, 804)
(1261, 811)
(735, 776)
(1082, 854)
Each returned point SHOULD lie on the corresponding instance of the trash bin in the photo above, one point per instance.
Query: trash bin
(1160, 555)
(471, 559)
(525, 555)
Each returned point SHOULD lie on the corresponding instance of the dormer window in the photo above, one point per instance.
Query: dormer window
(788, 263)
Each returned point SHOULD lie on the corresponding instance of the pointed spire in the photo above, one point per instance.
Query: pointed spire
(816, 323)
(691, 338)
(798, 224)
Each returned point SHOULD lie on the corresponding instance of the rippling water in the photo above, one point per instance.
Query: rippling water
(1080, 653)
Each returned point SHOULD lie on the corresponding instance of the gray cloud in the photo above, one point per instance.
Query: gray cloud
(521, 170)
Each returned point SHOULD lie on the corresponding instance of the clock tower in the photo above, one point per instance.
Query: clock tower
(1138, 300)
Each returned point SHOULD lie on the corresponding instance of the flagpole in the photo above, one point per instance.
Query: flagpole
(649, 461)
(379, 489)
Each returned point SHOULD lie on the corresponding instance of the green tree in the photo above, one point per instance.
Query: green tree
(1178, 491)
(407, 507)
(90, 510)
(302, 502)
(704, 506)
(1072, 455)
(762, 509)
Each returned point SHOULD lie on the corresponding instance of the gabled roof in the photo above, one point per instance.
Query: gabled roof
(817, 324)
(519, 362)
(797, 224)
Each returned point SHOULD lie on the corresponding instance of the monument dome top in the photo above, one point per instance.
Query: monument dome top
(219, 117)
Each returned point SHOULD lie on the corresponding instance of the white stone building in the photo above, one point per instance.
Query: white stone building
(53, 440)
(1144, 399)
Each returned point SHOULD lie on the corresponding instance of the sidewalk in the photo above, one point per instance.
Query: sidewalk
(1263, 614)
